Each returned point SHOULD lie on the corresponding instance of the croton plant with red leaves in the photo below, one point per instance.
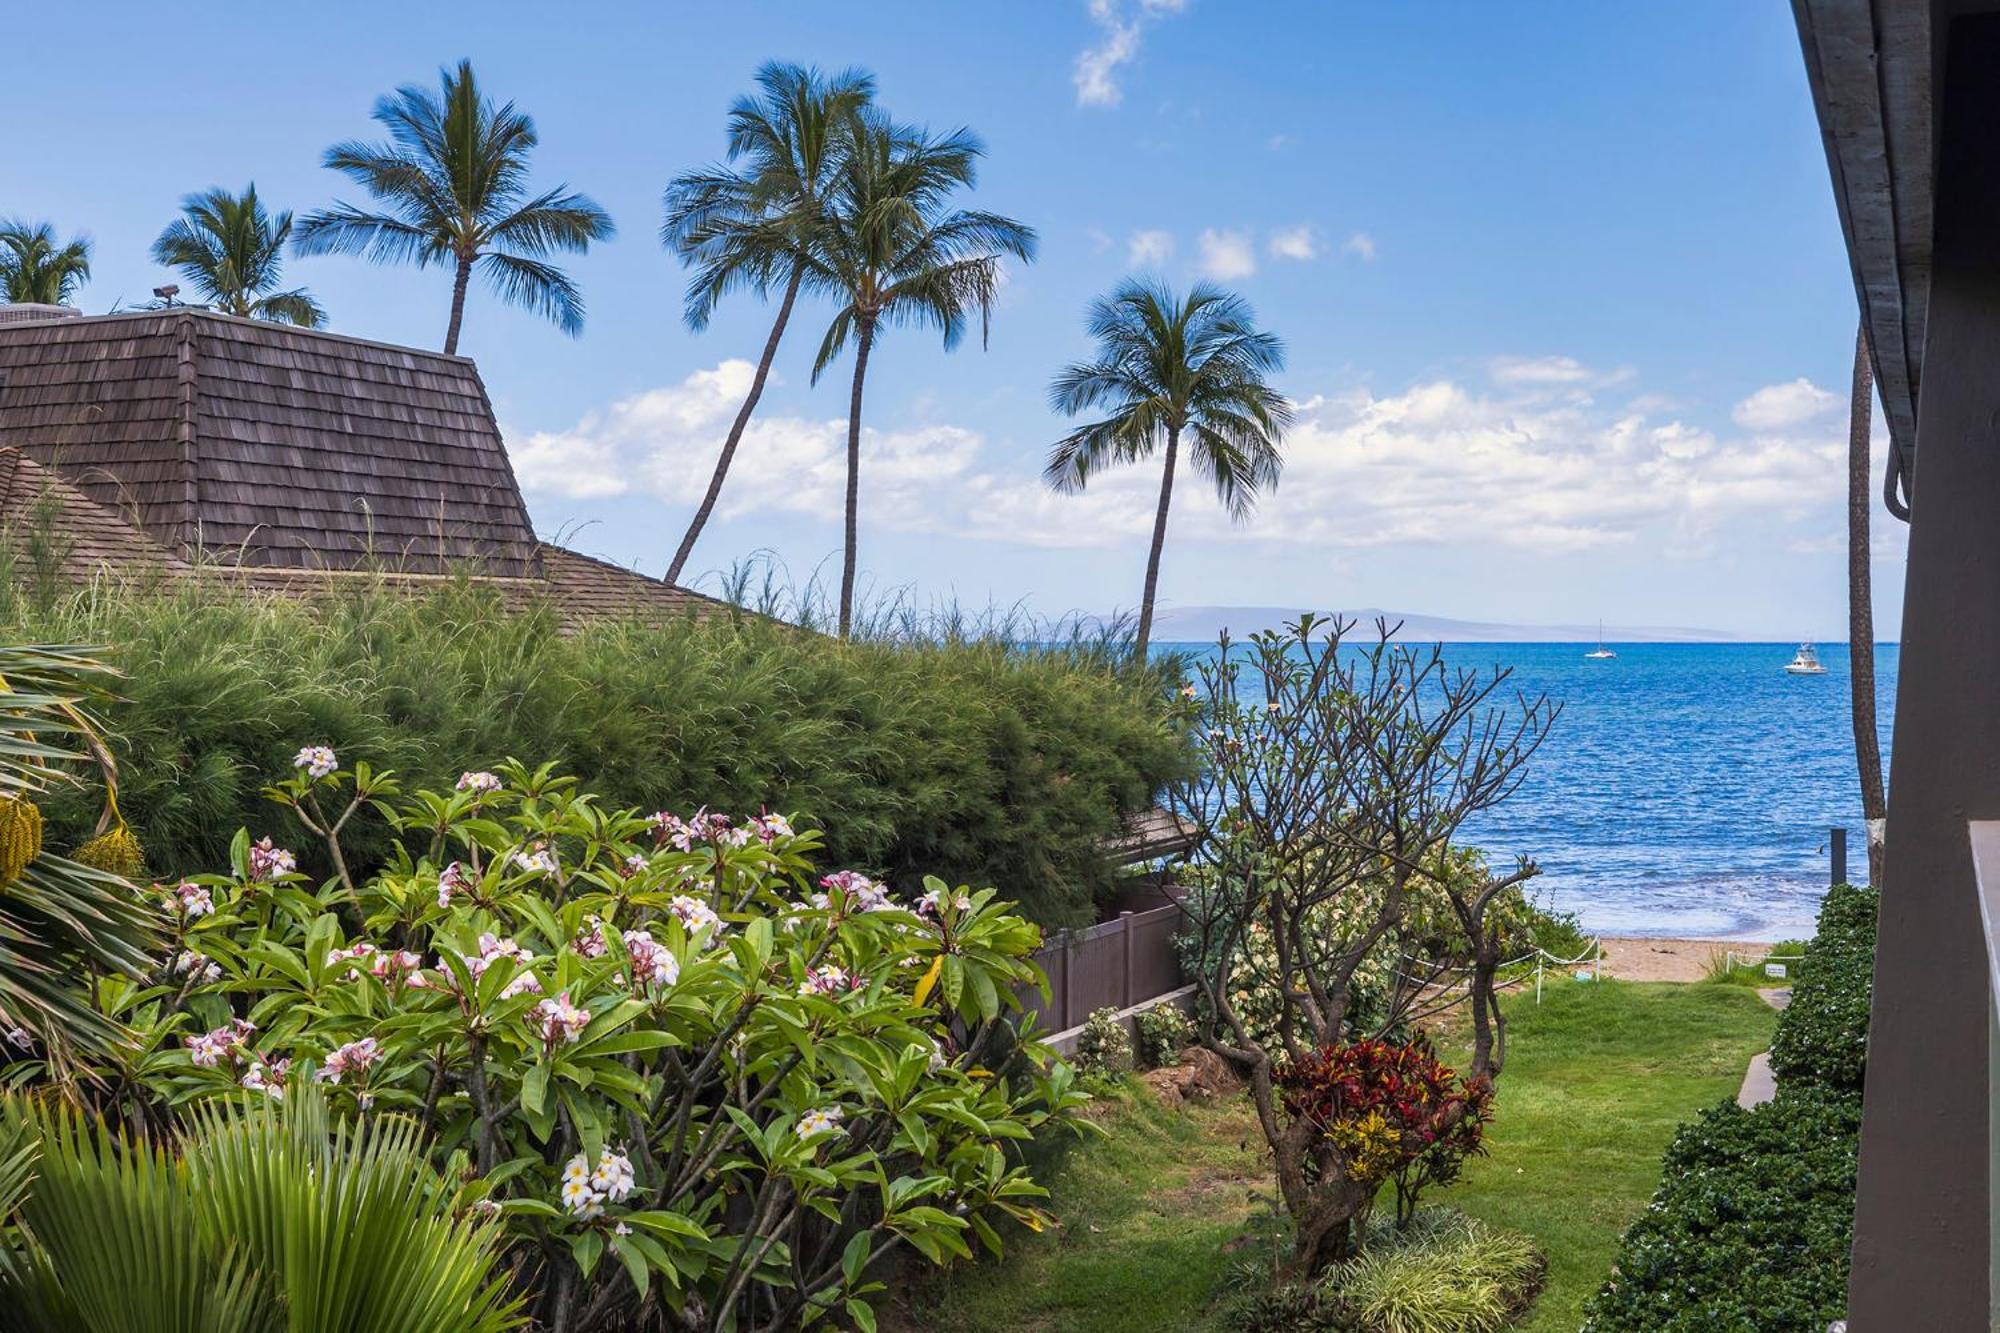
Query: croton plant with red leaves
(1396, 1110)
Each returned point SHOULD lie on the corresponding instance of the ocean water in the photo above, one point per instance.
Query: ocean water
(1686, 789)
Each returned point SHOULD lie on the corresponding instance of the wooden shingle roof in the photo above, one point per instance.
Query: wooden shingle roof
(286, 447)
(89, 542)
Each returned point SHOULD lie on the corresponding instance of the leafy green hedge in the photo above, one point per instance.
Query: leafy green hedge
(1751, 1225)
(1823, 1037)
(978, 761)
(1750, 1228)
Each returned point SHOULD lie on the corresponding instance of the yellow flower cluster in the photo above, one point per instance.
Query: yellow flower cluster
(1371, 1144)
(116, 852)
(20, 836)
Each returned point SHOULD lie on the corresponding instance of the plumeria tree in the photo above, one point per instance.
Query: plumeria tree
(698, 1085)
(1336, 777)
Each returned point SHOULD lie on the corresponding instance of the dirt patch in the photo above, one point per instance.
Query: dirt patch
(1668, 960)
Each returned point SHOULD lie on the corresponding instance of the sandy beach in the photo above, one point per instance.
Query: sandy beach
(1668, 960)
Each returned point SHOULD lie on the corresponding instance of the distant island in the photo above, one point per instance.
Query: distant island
(1188, 624)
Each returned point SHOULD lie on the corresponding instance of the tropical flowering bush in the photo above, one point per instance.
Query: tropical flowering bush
(1392, 1109)
(698, 1084)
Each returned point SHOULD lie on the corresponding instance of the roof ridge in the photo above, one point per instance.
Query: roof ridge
(203, 312)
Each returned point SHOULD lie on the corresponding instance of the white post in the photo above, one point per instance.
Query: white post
(1538, 976)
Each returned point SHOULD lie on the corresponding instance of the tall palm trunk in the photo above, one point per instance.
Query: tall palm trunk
(866, 339)
(1860, 607)
(1159, 541)
(736, 429)
(458, 285)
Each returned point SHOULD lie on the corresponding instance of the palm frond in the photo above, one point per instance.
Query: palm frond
(261, 1217)
(533, 285)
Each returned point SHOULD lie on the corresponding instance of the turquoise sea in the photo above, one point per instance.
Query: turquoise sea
(1687, 789)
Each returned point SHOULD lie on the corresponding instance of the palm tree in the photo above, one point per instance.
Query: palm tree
(62, 919)
(454, 176)
(35, 270)
(234, 253)
(895, 252)
(750, 227)
(254, 1218)
(1165, 366)
(1861, 608)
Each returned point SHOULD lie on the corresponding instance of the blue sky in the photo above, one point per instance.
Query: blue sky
(1569, 318)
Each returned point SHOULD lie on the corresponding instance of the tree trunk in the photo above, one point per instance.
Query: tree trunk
(458, 286)
(1860, 608)
(1489, 1025)
(736, 429)
(866, 338)
(1159, 540)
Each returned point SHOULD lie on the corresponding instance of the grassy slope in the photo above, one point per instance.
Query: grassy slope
(1597, 1079)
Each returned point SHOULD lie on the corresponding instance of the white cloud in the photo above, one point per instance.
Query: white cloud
(1095, 74)
(664, 442)
(1528, 462)
(1227, 255)
(1361, 245)
(1541, 370)
(1778, 406)
(1298, 242)
(1147, 249)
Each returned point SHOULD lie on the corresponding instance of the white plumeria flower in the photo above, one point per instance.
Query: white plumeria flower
(819, 1121)
(316, 760)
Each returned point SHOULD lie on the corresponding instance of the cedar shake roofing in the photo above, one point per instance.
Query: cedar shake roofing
(86, 535)
(286, 447)
(95, 543)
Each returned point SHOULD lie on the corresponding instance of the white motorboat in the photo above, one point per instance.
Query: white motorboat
(1805, 662)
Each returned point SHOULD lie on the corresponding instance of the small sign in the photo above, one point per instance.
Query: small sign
(1774, 970)
(1584, 974)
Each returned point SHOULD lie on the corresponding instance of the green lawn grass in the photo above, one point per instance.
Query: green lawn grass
(1597, 1078)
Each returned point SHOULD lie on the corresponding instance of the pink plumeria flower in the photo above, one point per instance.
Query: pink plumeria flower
(829, 979)
(559, 1020)
(268, 862)
(478, 781)
(354, 1058)
(452, 882)
(190, 900)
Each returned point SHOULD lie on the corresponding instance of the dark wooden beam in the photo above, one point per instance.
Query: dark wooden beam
(1920, 1242)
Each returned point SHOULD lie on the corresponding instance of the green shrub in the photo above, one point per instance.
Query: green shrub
(1446, 1274)
(1104, 1047)
(981, 761)
(614, 1029)
(1165, 1031)
(1443, 1273)
(1822, 1037)
(1751, 1225)
(1281, 1308)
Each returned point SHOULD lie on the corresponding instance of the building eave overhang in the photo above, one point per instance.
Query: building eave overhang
(1871, 65)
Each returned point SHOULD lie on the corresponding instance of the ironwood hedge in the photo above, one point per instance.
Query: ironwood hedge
(981, 761)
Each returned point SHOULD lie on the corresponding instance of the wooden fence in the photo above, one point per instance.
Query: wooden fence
(1112, 965)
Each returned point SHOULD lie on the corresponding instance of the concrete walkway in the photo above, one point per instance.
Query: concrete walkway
(1760, 1085)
